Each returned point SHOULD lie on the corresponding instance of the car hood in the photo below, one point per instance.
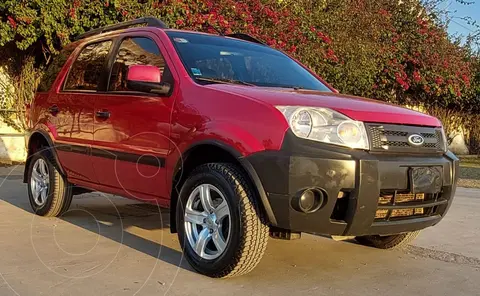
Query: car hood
(361, 109)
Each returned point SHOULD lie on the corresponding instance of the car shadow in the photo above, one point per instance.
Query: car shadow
(116, 217)
(145, 228)
(127, 216)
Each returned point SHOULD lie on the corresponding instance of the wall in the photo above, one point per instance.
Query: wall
(12, 145)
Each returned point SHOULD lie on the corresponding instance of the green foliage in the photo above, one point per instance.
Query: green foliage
(395, 51)
(21, 89)
(398, 52)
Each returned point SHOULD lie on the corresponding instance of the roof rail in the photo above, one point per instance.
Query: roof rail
(245, 37)
(149, 21)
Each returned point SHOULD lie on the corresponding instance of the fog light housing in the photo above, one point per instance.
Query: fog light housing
(309, 200)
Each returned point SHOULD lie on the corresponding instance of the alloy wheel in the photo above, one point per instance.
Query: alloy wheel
(207, 221)
(40, 182)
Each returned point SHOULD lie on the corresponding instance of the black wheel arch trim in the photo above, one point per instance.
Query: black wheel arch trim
(261, 191)
(245, 164)
(51, 145)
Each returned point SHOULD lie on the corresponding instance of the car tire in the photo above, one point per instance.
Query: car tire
(388, 242)
(49, 192)
(231, 250)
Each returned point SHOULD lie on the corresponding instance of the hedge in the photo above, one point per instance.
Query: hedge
(396, 51)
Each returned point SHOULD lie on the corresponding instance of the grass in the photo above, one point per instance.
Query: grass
(469, 172)
(470, 162)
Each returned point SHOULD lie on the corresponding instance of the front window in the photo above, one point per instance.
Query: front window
(211, 59)
(135, 51)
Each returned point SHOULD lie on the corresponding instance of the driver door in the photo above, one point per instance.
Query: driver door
(132, 129)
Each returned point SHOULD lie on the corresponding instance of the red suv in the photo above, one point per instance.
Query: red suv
(239, 140)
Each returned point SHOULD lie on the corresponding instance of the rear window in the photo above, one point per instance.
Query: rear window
(54, 68)
(87, 69)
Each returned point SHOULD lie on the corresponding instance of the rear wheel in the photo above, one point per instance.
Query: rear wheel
(389, 241)
(220, 223)
(48, 191)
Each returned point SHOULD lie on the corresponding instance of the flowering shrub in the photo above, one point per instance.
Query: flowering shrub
(57, 22)
(423, 62)
(398, 52)
(384, 49)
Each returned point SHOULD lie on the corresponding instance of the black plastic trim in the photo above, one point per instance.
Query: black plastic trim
(73, 148)
(301, 164)
(146, 159)
(261, 191)
(246, 165)
(162, 88)
(47, 138)
(399, 226)
(149, 21)
(410, 130)
(245, 37)
(413, 205)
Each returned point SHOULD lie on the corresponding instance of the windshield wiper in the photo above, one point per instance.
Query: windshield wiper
(294, 87)
(224, 80)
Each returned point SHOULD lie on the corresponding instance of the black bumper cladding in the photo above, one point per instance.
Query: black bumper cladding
(366, 192)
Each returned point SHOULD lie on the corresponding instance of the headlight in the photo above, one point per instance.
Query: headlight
(325, 125)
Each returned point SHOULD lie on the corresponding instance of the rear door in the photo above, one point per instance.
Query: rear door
(71, 109)
(131, 131)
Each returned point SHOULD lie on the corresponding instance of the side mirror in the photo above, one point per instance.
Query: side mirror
(147, 78)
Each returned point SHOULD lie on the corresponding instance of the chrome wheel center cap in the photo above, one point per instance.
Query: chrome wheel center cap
(211, 222)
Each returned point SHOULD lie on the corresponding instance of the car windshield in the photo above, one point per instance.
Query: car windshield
(216, 59)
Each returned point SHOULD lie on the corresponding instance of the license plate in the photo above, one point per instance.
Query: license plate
(426, 179)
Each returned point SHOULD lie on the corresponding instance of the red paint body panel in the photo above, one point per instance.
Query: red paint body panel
(145, 73)
(241, 117)
(72, 125)
(357, 108)
(139, 124)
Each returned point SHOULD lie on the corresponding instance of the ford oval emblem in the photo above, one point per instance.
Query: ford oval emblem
(416, 140)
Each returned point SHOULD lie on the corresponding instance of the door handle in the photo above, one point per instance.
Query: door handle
(104, 114)
(54, 110)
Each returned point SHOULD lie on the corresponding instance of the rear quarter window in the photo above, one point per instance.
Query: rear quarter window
(86, 71)
(54, 68)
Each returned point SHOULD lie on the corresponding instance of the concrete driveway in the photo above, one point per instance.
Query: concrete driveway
(107, 245)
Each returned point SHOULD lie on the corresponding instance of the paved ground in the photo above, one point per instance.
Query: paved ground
(92, 251)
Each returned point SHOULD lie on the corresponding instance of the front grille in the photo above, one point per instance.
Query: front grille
(394, 138)
(397, 205)
(387, 198)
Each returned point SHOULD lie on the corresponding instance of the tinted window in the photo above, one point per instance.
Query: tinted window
(134, 51)
(54, 68)
(86, 71)
(207, 56)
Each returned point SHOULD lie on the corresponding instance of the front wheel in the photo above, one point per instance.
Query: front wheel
(220, 223)
(388, 241)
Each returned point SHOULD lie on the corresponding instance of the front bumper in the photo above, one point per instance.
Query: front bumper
(361, 175)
